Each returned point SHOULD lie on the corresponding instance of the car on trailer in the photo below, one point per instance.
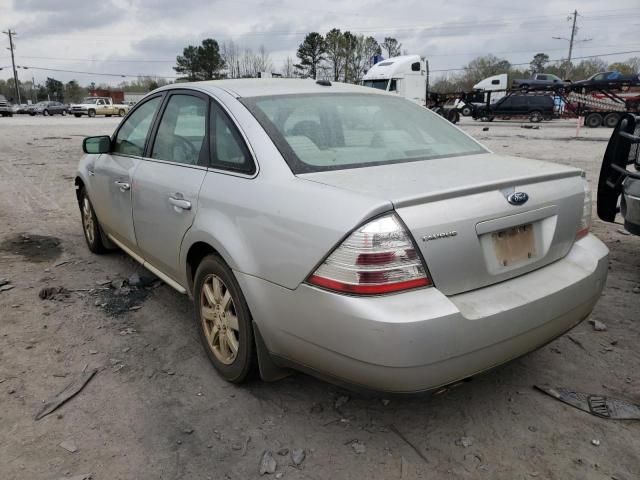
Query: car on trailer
(613, 79)
(535, 107)
(540, 81)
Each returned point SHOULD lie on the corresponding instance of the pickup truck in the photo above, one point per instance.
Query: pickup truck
(92, 106)
(540, 81)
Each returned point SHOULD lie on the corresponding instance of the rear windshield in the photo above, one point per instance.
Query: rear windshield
(317, 132)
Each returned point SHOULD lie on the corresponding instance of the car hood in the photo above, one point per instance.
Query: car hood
(430, 180)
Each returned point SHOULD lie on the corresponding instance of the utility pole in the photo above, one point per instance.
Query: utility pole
(13, 63)
(573, 35)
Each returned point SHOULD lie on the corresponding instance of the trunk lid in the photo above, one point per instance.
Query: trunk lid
(457, 211)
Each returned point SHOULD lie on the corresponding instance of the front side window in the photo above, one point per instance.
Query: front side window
(132, 135)
(317, 132)
(228, 149)
(393, 85)
(181, 132)
(379, 84)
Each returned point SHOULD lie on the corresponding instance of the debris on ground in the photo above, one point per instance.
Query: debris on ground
(622, 231)
(485, 129)
(53, 293)
(268, 464)
(297, 456)
(6, 287)
(125, 294)
(385, 402)
(69, 446)
(340, 401)
(636, 289)
(358, 447)
(465, 442)
(598, 326)
(597, 405)
(245, 445)
(84, 476)
(283, 452)
(4, 281)
(395, 430)
(531, 127)
(67, 393)
(595, 442)
(404, 467)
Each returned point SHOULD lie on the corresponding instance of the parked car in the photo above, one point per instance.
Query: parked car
(342, 231)
(619, 182)
(536, 107)
(47, 108)
(92, 106)
(6, 109)
(540, 81)
(609, 79)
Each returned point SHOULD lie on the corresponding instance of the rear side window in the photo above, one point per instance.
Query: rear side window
(132, 135)
(228, 149)
(181, 132)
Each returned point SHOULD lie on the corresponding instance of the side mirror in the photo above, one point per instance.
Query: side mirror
(415, 67)
(101, 144)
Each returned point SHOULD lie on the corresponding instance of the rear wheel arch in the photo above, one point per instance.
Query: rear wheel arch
(196, 253)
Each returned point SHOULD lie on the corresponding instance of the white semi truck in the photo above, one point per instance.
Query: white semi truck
(405, 75)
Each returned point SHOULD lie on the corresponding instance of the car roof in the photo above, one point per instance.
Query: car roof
(258, 87)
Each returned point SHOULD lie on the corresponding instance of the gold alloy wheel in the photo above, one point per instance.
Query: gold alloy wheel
(219, 319)
(87, 218)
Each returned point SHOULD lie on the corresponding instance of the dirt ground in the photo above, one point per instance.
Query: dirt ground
(157, 410)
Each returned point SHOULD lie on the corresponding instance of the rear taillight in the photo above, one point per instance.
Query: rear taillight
(585, 219)
(377, 258)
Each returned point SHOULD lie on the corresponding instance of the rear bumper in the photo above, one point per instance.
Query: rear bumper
(420, 340)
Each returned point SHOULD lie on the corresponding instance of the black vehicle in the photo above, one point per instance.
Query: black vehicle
(619, 181)
(609, 80)
(536, 107)
(48, 108)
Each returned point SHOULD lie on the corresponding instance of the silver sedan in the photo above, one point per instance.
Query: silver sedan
(342, 231)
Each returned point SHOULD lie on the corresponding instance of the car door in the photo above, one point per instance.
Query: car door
(167, 182)
(111, 178)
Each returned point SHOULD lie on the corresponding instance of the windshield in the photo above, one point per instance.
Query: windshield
(335, 131)
(90, 100)
(379, 84)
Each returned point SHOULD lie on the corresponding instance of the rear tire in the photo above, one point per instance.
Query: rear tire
(224, 320)
(90, 225)
(121, 113)
(64, 113)
(593, 120)
(466, 111)
(535, 116)
(611, 120)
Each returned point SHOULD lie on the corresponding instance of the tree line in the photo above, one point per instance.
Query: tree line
(71, 91)
(337, 55)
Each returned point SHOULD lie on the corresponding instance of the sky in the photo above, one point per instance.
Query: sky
(143, 37)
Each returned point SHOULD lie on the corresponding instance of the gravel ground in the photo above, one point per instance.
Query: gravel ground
(157, 410)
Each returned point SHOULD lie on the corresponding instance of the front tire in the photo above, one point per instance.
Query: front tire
(90, 225)
(64, 113)
(92, 113)
(224, 320)
(45, 113)
(466, 111)
(535, 116)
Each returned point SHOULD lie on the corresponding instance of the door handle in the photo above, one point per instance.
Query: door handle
(124, 186)
(180, 203)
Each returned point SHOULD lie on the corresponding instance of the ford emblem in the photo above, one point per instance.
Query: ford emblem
(518, 198)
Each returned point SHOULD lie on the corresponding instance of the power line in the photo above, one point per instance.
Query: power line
(126, 75)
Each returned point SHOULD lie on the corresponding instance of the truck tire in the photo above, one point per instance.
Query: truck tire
(524, 87)
(486, 118)
(611, 120)
(77, 115)
(121, 113)
(453, 116)
(64, 113)
(91, 113)
(535, 116)
(593, 120)
(466, 111)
